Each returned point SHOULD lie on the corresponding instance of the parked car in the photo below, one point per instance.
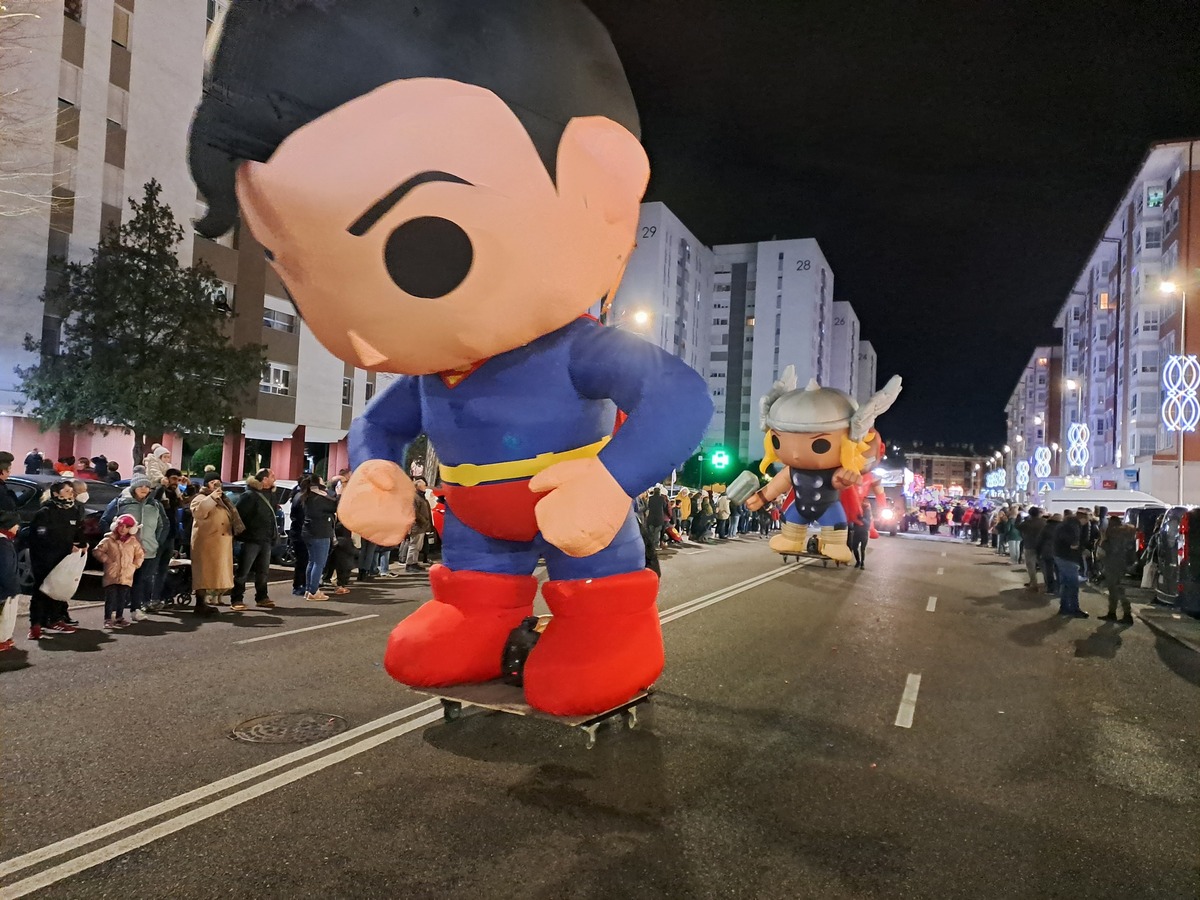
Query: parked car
(1145, 521)
(1071, 499)
(1178, 558)
(29, 491)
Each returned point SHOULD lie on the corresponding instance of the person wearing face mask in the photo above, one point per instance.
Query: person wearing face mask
(81, 491)
(55, 532)
(152, 533)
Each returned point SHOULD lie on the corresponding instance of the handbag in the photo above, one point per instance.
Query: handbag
(63, 580)
(1150, 574)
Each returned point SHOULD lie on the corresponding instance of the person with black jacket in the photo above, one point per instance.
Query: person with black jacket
(299, 548)
(319, 511)
(256, 507)
(54, 534)
(1068, 555)
(1031, 532)
(8, 502)
(33, 462)
(169, 497)
(1045, 553)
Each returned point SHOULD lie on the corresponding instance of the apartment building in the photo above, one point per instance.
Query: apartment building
(105, 97)
(949, 472)
(1119, 328)
(772, 306)
(1034, 414)
(843, 361)
(667, 287)
(868, 371)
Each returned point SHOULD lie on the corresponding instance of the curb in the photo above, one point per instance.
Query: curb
(1157, 627)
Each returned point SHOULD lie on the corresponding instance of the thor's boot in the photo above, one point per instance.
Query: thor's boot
(458, 637)
(791, 539)
(602, 646)
(833, 544)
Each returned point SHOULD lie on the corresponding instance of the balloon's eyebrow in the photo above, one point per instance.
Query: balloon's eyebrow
(379, 209)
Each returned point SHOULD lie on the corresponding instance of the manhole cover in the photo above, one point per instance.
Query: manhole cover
(289, 728)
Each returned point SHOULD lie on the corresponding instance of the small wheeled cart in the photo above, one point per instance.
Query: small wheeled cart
(503, 697)
(825, 560)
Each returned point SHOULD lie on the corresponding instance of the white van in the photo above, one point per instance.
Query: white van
(1071, 499)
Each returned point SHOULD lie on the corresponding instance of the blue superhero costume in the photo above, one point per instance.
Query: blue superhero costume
(553, 399)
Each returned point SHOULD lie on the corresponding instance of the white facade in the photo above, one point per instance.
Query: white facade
(772, 306)
(868, 371)
(844, 349)
(665, 291)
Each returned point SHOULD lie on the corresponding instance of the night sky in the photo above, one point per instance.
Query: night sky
(956, 160)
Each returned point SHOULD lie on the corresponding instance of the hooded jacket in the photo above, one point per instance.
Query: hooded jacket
(148, 513)
(120, 558)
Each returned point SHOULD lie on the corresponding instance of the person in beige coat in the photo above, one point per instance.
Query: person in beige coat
(121, 554)
(214, 524)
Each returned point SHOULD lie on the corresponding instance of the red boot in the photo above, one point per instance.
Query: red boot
(458, 637)
(603, 645)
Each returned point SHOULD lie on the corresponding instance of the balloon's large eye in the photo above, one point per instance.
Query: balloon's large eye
(428, 257)
(821, 446)
(775, 441)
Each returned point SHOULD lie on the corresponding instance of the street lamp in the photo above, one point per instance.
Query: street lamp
(641, 317)
(1181, 379)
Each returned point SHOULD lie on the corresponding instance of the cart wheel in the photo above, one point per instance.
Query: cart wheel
(631, 719)
(451, 710)
(590, 731)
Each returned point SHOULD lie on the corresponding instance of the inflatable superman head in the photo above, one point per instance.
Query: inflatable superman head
(435, 182)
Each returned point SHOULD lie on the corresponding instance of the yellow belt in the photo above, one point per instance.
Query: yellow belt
(470, 475)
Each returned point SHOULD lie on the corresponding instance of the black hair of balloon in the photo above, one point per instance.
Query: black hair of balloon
(280, 64)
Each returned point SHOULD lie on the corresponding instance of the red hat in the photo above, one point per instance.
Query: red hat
(130, 523)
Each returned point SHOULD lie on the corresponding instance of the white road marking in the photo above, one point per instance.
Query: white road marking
(931, 605)
(941, 571)
(192, 817)
(198, 814)
(908, 702)
(943, 553)
(279, 634)
(17, 863)
(686, 609)
(694, 552)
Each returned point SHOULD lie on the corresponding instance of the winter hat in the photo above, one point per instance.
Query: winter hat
(130, 523)
(139, 470)
(160, 451)
(139, 481)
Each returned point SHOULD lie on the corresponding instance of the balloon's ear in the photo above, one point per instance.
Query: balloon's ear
(258, 212)
(602, 165)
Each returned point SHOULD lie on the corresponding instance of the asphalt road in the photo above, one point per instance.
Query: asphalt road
(1041, 757)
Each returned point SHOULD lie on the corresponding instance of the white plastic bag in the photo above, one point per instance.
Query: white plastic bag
(1149, 575)
(8, 619)
(63, 580)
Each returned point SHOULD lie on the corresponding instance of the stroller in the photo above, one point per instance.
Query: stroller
(177, 586)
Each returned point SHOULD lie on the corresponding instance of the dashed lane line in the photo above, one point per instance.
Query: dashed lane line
(908, 702)
(931, 605)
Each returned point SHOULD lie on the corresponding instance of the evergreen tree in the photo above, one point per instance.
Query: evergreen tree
(144, 343)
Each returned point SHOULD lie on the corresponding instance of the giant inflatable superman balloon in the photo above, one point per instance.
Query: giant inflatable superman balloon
(445, 187)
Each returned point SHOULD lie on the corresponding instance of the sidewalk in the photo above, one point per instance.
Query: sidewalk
(1175, 625)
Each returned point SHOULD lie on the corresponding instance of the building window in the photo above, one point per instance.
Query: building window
(216, 9)
(1153, 237)
(279, 321)
(122, 19)
(370, 390)
(347, 392)
(276, 379)
(73, 9)
(1154, 196)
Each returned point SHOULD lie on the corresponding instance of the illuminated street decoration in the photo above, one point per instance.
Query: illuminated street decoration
(996, 479)
(1078, 437)
(1022, 475)
(1181, 378)
(1041, 459)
